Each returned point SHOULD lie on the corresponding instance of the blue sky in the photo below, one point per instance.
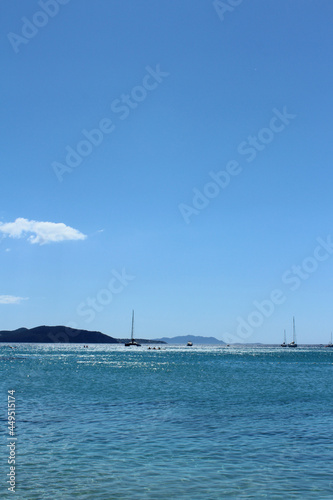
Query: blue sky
(201, 195)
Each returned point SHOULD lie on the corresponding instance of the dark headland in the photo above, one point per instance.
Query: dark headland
(56, 334)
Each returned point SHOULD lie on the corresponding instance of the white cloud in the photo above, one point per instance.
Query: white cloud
(10, 299)
(41, 232)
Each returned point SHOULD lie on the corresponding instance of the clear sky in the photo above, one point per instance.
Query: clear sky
(171, 157)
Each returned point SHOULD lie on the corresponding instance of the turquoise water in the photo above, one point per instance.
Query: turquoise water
(205, 423)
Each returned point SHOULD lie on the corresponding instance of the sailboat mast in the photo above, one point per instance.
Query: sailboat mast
(132, 331)
(294, 329)
(284, 337)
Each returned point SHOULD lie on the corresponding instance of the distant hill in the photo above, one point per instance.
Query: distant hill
(56, 334)
(191, 338)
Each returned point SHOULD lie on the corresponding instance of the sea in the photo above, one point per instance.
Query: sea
(111, 422)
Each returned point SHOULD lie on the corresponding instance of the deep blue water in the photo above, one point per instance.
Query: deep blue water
(204, 423)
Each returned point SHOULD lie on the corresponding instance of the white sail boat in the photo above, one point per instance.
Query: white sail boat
(132, 341)
(293, 343)
(284, 340)
(330, 343)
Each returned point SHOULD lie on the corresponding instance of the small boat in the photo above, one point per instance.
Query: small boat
(330, 343)
(189, 344)
(293, 343)
(284, 341)
(132, 341)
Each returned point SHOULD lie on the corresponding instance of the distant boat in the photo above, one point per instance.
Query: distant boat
(293, 343)
(330, 343)
(189, 344)
(284, 340)
(132, 341)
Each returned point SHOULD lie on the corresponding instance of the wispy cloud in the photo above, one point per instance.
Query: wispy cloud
(40, 232)
(11, 299)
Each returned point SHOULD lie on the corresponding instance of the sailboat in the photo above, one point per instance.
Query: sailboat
(284, 340)
(330, 343)
(293, 343)
(132, 341)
